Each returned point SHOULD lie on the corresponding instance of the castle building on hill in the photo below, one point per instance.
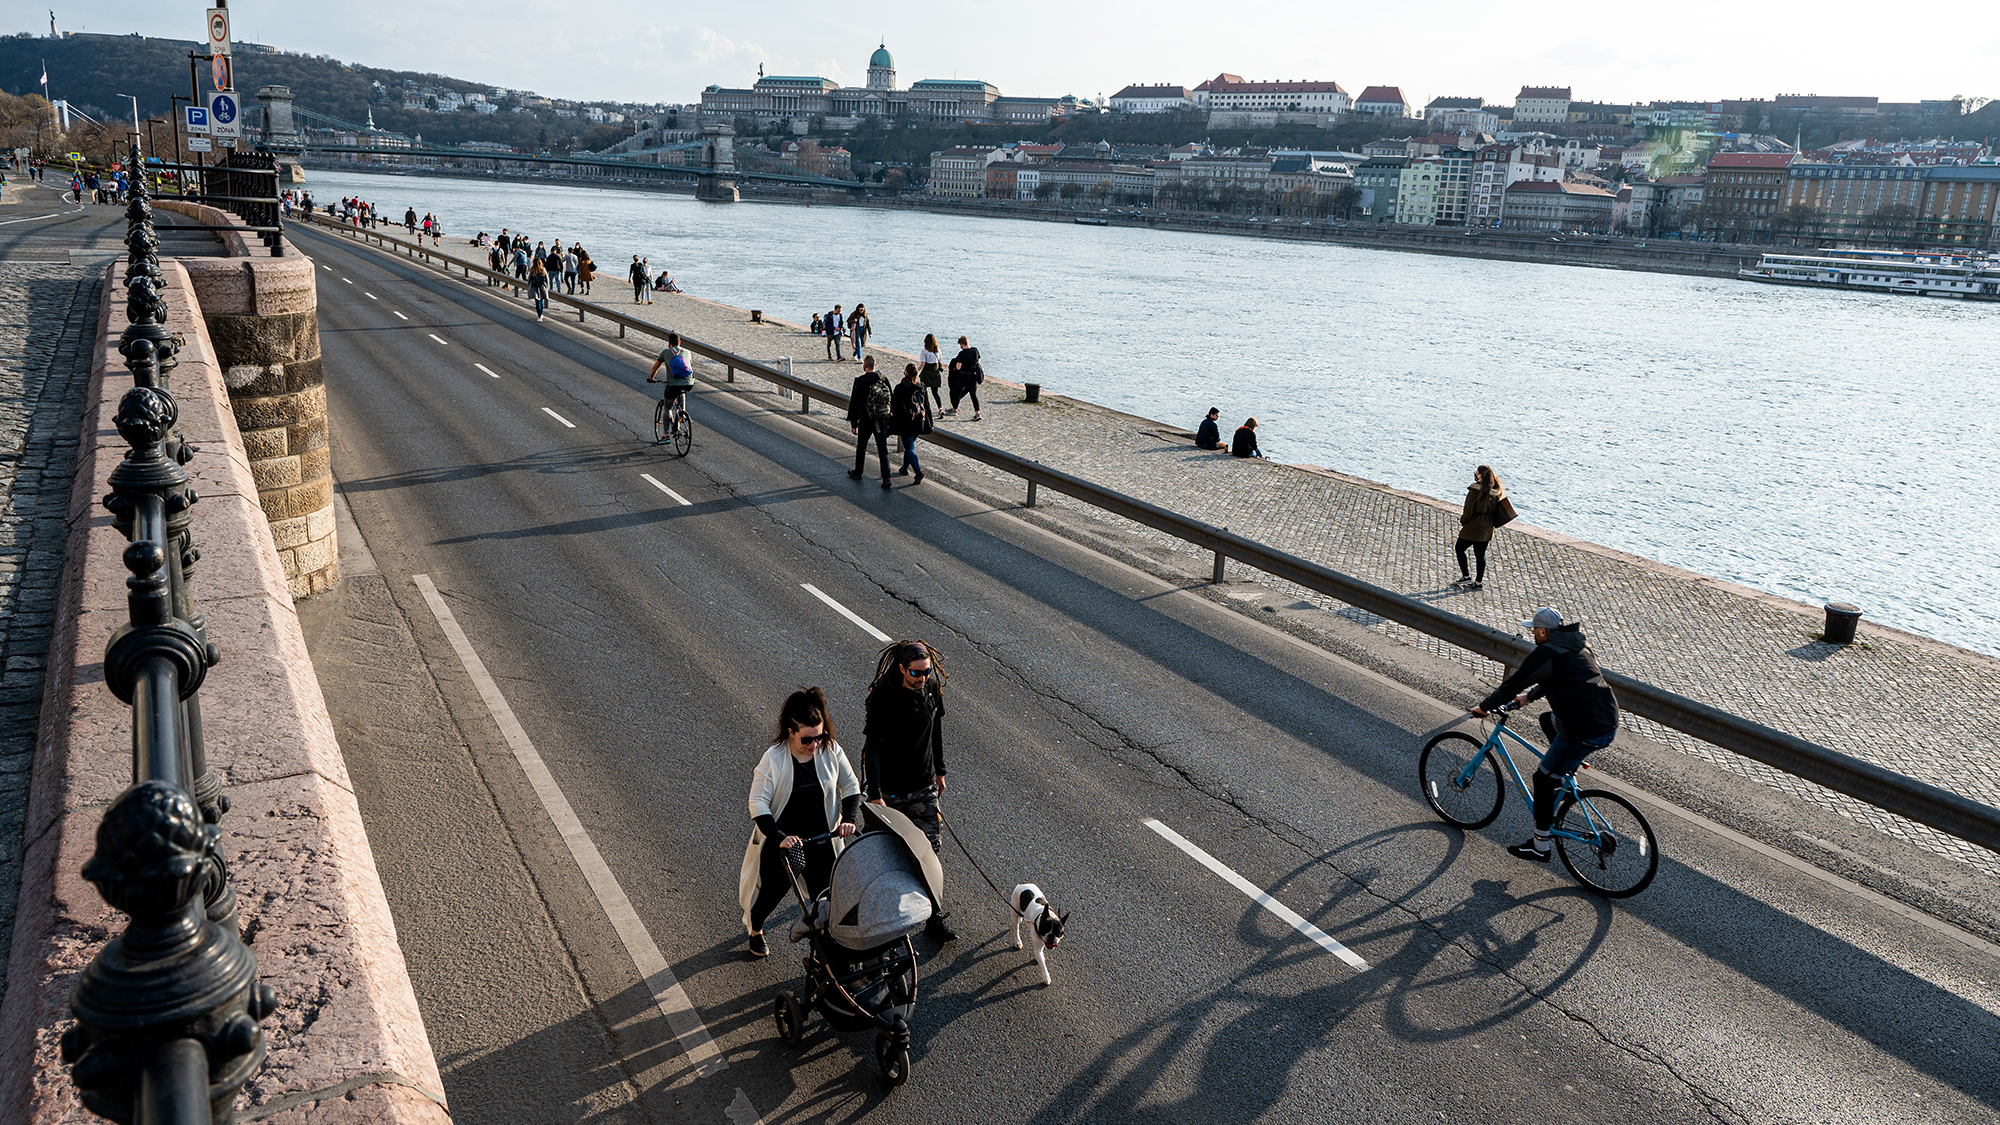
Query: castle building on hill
(801, 103)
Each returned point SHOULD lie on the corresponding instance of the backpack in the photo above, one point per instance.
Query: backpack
(679, 368)
(880, 400)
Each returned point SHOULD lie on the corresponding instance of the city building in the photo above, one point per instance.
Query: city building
(960, 173)
(1152, 99)
(1746, 191)
(1840, 107)
(1378, 179)
(1305, 184)
(1383, 101)
(1541, 105)
(1208, 181)
(1201, 92)
(1664, 205)
(798, 102)
(1497, 167)
(1600, 113)
(1435, 190)
(1540, 205)
(1461, 115)
(1893, 204)
(1227, 92)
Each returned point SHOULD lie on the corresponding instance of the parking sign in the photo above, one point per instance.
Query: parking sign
(197, 118)
(224, 116)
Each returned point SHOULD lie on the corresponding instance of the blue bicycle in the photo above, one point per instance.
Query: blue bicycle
(1600, 837)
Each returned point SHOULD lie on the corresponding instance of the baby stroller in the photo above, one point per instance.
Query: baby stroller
(861, 970)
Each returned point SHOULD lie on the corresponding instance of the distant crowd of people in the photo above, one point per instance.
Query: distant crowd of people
(543, 266)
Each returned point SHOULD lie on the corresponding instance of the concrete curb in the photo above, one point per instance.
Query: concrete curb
(311, 904)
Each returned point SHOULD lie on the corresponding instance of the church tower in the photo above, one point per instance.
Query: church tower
(881, 69)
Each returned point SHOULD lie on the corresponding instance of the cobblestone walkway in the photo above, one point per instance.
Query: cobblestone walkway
(48, 315)
(1920, 708)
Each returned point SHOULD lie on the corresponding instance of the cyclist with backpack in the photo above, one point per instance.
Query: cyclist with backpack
(680, 373)
(870, 409)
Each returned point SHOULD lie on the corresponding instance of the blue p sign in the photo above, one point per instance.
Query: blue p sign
(197, 118)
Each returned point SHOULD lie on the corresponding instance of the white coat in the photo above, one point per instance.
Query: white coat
(771, 788)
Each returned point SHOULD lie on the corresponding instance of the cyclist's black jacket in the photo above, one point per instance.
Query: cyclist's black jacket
(1564, 669)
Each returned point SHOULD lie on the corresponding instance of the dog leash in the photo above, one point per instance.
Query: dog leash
(967, 852)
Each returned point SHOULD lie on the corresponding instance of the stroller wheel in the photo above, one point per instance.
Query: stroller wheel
(791, 1019)
(892, 1054)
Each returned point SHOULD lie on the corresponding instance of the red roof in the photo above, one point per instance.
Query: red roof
(1221, 79)
(1392, 95)
(1751, 160)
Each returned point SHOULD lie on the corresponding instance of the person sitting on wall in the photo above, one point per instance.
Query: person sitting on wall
(1245, 444)
(1209, 434)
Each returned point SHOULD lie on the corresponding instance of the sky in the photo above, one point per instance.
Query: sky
(652, 51)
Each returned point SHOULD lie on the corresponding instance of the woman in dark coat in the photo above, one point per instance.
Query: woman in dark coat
(909, 419)
(1245, 442)
(965, 377)
(1476, 526)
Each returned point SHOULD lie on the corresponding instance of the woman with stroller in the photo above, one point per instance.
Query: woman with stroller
(803, 787)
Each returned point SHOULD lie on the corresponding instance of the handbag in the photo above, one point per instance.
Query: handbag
(1503, 513)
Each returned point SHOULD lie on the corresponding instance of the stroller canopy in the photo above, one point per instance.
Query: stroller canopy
(886, 883)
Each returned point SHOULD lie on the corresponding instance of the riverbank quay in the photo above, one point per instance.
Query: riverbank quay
(1900, 701)
(345, 1041)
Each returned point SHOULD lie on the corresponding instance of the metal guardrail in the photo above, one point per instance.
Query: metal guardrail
(167, 1013)
(1919, 801)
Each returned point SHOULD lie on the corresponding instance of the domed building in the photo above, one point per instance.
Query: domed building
(803, 104)
(881, 69)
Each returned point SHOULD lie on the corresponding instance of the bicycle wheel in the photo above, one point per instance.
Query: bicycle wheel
(683, 432)
(660, 423)
(1472, 802)
(1621, 855)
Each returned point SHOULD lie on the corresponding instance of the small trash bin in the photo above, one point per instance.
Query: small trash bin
(1841, 619)
(1034, 392)
(756, 316)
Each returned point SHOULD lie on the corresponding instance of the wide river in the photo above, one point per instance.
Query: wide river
(1822, 446)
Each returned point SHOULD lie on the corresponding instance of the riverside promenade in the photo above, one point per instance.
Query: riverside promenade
(1913, 705)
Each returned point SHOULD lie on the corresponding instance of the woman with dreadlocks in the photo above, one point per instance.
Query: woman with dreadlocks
(903, 758)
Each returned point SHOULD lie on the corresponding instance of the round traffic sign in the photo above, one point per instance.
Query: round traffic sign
(218, 27)
(223, 108)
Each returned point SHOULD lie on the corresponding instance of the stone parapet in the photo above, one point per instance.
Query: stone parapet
(263, 314)
(347, 1042)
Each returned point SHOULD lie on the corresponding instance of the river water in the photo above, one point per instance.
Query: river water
(1821, 446)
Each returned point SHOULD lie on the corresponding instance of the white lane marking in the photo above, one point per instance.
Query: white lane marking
(668, 994)
(842, 610)
(483, 367)
(685, 502)
(32, 218)
(1258, 896)
(328, 269)
(370, 296)
(557, 417)
(434, 336)
(399, 316)
(350, 281)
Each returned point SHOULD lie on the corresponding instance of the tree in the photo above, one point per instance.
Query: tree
(1072, 190)
(1799, 221)
(1100, 190)
(1044, 190)
(1299, 201)
(894, 179)
(1343, 202)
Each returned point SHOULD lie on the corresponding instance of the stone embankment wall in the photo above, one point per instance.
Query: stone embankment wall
(347, 1043)
(263, 314)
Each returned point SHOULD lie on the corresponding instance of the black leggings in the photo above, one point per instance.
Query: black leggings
(1478, 552)
(774, 883)
(963, 390)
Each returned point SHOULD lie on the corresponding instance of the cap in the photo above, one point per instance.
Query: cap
(1544, 618)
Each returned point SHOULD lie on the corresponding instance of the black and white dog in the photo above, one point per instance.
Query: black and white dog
(1032, 907)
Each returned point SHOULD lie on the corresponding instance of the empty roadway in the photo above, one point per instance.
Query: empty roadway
(644, 644)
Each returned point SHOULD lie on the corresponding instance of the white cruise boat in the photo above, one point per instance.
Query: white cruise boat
(1893, 271)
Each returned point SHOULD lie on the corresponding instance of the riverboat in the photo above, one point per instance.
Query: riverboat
(1974, 277)
(1093, 221)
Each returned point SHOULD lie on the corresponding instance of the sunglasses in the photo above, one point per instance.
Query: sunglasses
(917, 673)
(811, 739)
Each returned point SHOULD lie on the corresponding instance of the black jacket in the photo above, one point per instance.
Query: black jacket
(907, 414)
(1564, 669)
(1208, 435)
(904, 751)
(1245, 444)
(965, 370)
(857, 400)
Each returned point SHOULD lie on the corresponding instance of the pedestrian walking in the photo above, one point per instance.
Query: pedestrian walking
(569, 271)
(1245, 443)
(803, 786)
(1477, 522)
(910, 419)
(496, 260)
(437, 229)
(520, 261)
(410, 220)
(933, 369)
(637, 272)
(870, 407)
(858, 328)
(586, 270)
(1208, 435)
(965, 377)
(538, 287)
(835, 327)
(903, 755)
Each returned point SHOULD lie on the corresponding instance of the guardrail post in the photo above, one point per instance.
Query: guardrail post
(1221, 564)
(732, 372)
(1031, 495)
(621, 330)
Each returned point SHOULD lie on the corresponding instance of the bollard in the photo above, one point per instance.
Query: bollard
(805, 403)
(579, 314)
(1034, 392)
(756, 316)
(1841, 619)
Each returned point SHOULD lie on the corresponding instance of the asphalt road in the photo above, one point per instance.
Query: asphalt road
(644, 645)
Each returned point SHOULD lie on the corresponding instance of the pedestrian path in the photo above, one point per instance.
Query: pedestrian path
(1918, 707)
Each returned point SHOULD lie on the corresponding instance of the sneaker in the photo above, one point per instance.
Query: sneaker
(903, 472)
(975, 417)
(938, 931)
(1462, 580)
(886, 486)
(1525, 850)
(918, 479)
(1475, 585)
(855, 473)
(950, 413)
(757, 946)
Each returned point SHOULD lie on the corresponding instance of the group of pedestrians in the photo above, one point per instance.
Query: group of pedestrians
(432, 227)
(804, 786)
(908, 408)
(543, 267)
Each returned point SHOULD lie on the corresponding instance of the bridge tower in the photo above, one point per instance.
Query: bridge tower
(717, 183)
(281, 133)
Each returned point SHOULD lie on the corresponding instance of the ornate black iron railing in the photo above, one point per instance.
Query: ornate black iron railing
(167, 1013)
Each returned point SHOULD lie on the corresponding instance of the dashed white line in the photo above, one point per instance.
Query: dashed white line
(551, 413)
(1258, 896)
(370, 296)
(435, 336)
(328, 269)
(842, 610)
(650, 479)
(348, 280)
(399, 316)
(668, 995)
(483, 367)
